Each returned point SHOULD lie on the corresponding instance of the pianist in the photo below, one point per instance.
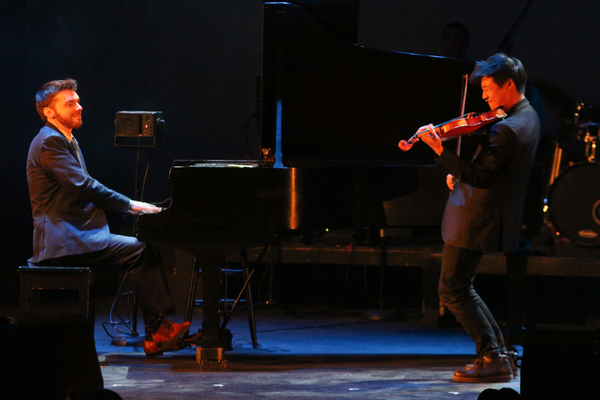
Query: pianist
(485, 208)
(69, 224)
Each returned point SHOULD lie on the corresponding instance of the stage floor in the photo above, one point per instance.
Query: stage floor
(320, 350)
(305, 353)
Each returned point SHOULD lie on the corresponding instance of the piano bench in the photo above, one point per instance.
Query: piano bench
(35, 279)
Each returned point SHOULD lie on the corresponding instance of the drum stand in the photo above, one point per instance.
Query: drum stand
(555, 163)
(590, 142)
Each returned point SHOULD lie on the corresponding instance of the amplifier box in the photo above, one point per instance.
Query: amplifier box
(138, 128)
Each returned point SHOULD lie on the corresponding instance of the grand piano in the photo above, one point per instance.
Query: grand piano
(331, 115)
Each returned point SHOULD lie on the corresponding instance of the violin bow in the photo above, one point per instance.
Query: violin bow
(463, 101)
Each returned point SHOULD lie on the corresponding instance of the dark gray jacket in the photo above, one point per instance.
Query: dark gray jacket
(67, 204)
(485, 209)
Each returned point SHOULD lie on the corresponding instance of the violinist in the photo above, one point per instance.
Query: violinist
(485, 208)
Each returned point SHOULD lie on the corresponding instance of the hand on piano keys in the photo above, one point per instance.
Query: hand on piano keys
(139, 207)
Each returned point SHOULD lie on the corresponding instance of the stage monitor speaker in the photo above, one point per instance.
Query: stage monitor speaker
(47, 356)
(138, 128)
(560, 364)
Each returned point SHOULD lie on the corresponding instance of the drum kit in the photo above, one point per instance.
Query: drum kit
(573, 202)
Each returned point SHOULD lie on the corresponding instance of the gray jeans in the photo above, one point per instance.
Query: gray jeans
(456, 292)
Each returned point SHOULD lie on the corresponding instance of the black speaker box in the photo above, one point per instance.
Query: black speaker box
(47, 356)
(560, 364)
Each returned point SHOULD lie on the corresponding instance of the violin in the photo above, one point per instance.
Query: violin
(457, 127)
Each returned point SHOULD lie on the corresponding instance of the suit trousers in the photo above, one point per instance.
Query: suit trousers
(456, 292)
(142, 263)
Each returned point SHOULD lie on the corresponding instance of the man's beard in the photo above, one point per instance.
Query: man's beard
(69, 122)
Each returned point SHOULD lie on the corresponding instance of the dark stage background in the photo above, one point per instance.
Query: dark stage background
(198, 61)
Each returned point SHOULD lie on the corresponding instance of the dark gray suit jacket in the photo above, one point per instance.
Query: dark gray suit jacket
(485, 210)
(67, 204)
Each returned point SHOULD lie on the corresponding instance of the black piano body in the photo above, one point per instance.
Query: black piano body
(331, 115)
(244, 199)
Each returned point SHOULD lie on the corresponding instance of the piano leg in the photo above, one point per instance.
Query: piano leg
(210, 349)
(214, 340)
(211, 294)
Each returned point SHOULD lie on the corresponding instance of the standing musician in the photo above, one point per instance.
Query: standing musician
(69, 223)
(485, 208)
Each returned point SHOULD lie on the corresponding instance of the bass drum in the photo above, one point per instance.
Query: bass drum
(574, 204)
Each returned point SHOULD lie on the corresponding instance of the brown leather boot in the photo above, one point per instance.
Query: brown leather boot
(486, 369)
(469, 367)
(512, 356)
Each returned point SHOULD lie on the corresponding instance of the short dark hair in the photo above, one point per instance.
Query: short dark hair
(501, 68)
(46, 94)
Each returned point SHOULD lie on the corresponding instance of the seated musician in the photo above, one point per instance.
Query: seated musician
(485, 208)
(70, 227)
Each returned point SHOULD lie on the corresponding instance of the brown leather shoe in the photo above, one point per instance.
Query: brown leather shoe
(152, 349)
(469, 367)
(512, 356)
(165, 338)
(486, 369)
(169, 332)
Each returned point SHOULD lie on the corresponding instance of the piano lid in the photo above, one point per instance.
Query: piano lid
(333, 101)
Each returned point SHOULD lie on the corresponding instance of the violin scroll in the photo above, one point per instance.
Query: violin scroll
(405, 145)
